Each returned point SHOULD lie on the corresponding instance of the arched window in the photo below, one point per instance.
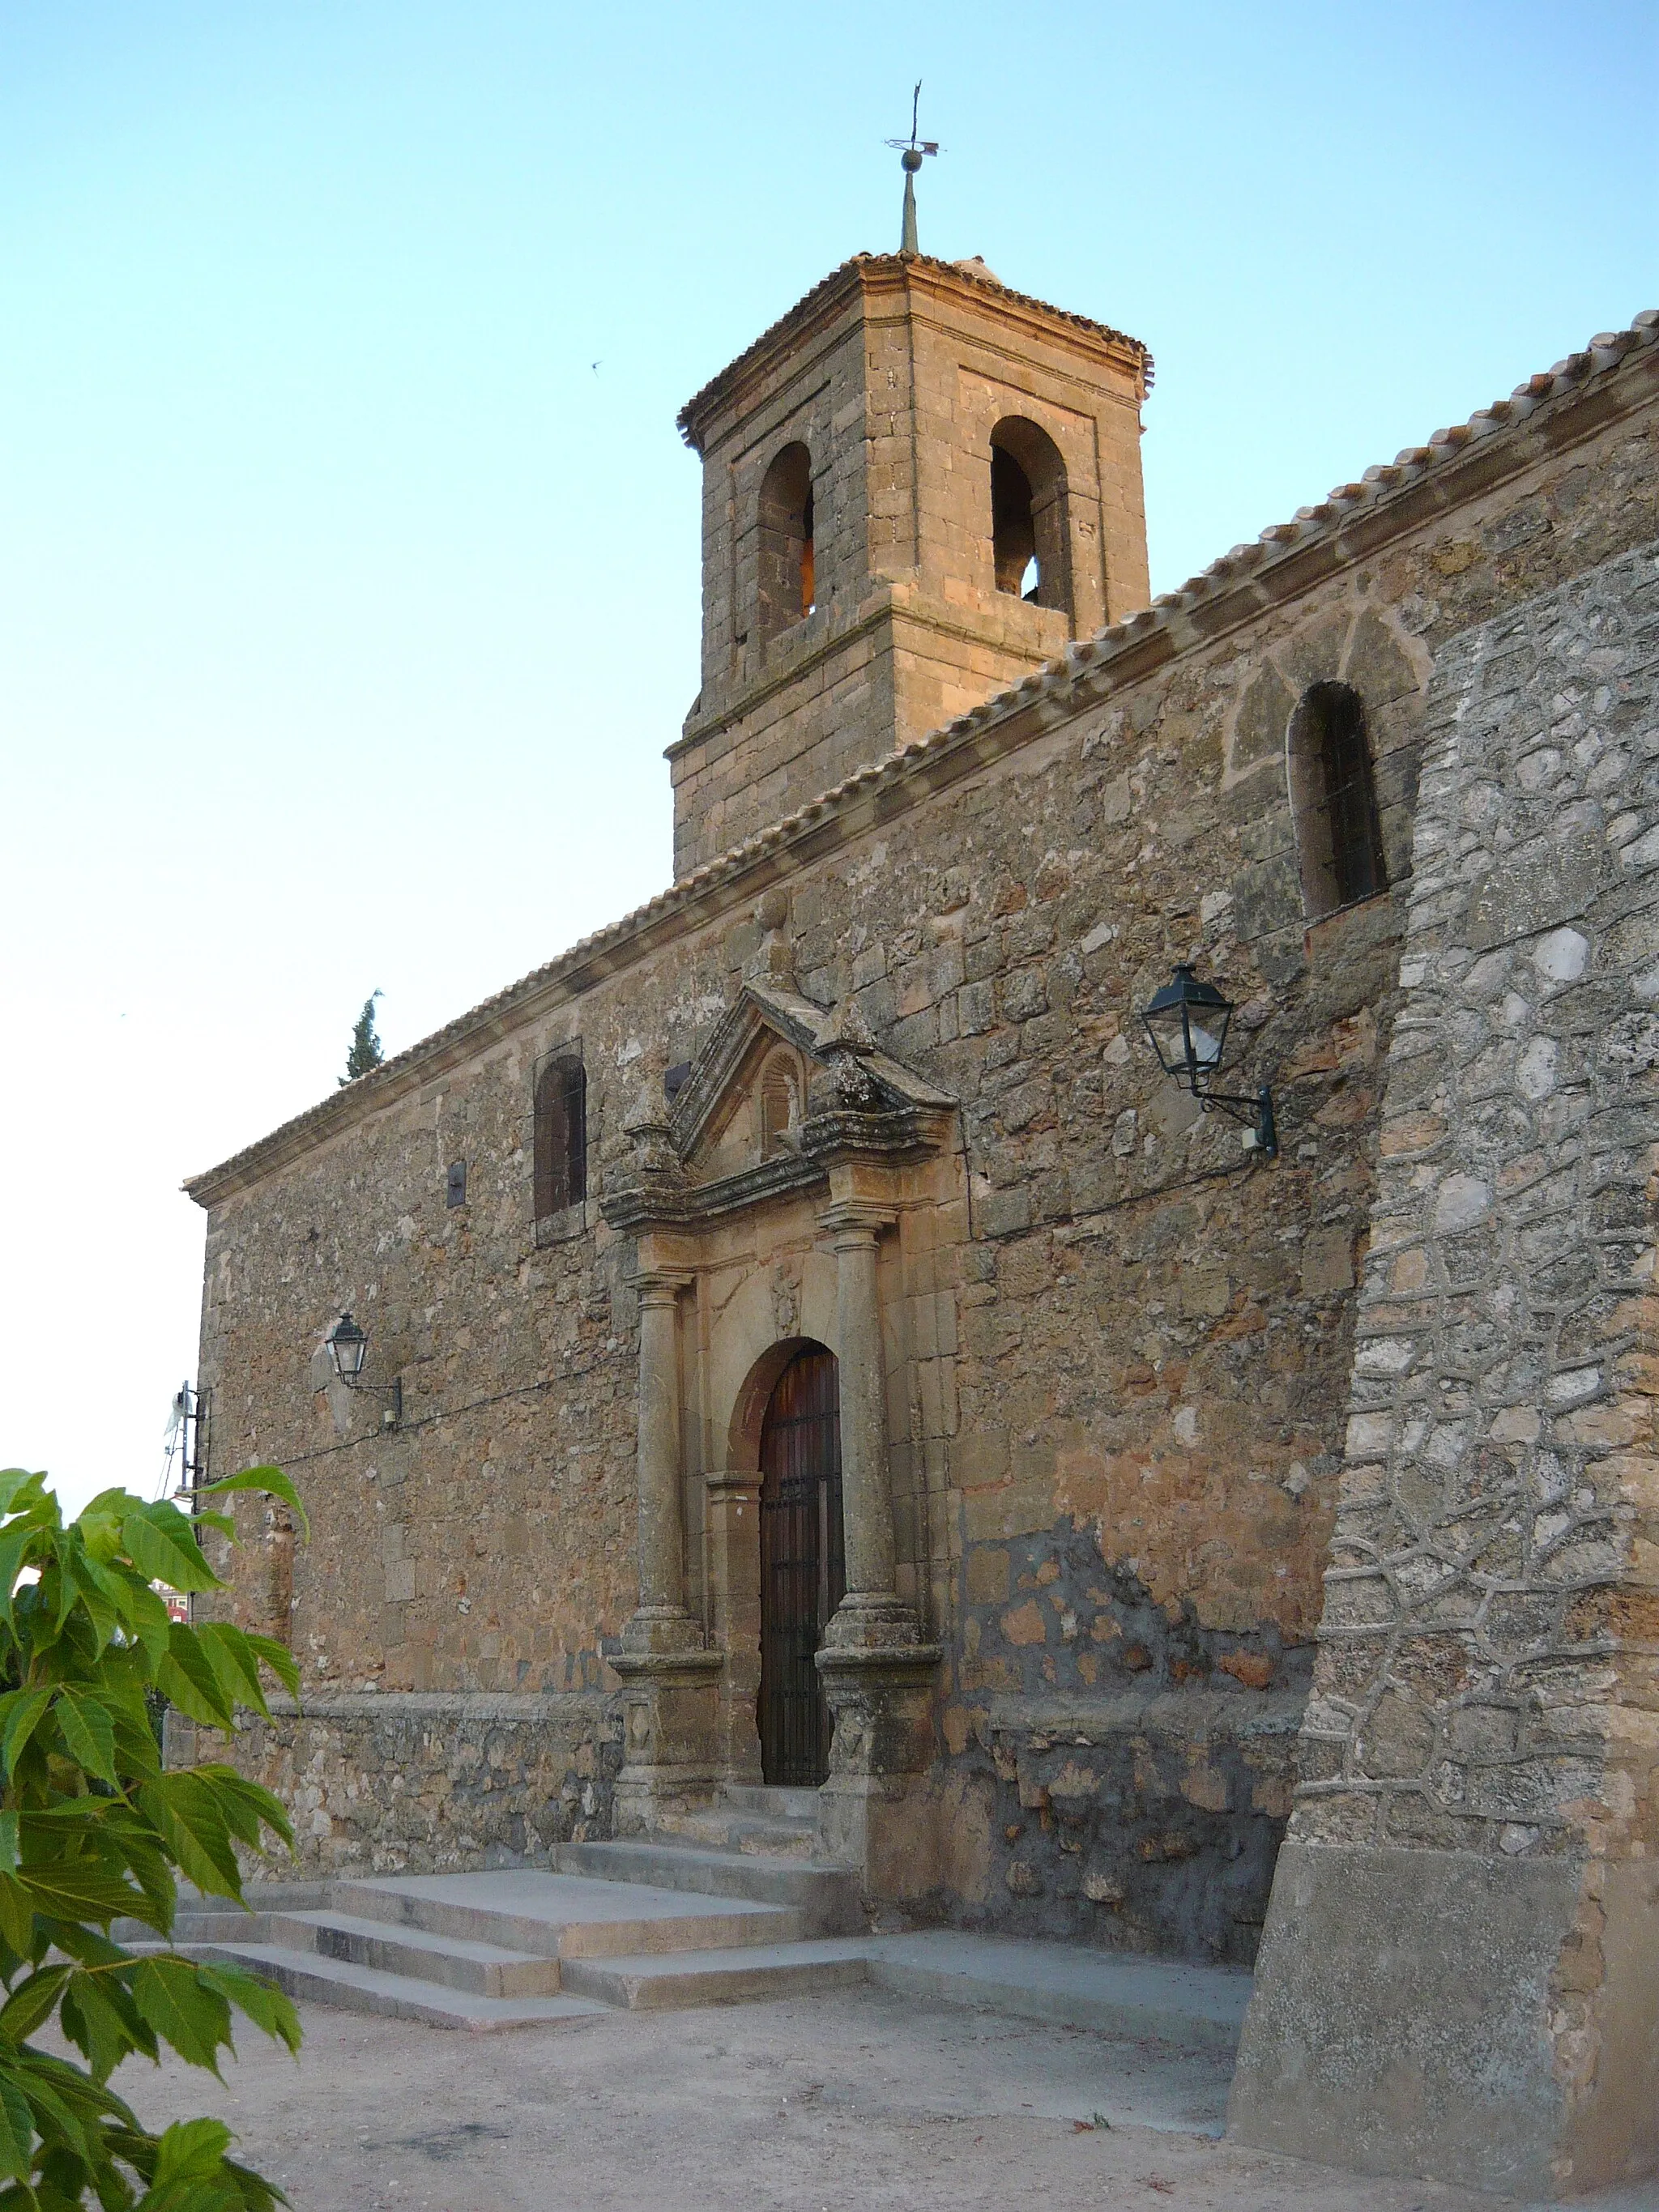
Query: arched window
(561, 1137)
(1333, 800)
(788, 581)
(1031, 547)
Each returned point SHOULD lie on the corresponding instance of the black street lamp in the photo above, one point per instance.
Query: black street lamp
(347, 1346)
(1186, 1021)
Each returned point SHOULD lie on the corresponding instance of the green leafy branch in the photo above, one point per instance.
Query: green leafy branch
(93, 1831)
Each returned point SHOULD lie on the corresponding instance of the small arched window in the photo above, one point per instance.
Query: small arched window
(788, 565)
(1333, 800)
(561, 1137)
(1031, 547)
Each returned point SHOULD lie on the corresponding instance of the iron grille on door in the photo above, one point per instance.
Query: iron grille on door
(803, 1565)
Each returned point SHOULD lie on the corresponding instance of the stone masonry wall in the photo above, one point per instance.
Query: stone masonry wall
(1119, 1373)
(431, 1784)
(893, 373)
(1499, 1489)
(1479, 1750)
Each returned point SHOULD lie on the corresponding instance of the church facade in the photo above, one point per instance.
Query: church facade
(813, 1342)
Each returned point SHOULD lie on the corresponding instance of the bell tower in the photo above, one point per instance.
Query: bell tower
(918, 487)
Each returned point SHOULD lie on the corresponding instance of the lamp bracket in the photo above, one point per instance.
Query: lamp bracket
(1256, 1112)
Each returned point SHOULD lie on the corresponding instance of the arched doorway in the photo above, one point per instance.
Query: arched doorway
(802, 1564)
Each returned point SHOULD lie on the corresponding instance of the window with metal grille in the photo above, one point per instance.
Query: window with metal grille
(561, 1148)
(1334, 798)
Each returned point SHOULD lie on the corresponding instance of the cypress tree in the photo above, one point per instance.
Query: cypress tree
(367, 1051)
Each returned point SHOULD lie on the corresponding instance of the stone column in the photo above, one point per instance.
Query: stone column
(670, 1700)
(660, 1621)
(876, 1811)
(734, 1614)
(870, 1613)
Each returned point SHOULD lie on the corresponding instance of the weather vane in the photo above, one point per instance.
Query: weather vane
(910, 151)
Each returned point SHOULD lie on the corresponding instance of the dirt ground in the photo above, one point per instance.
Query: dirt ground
(854, 2098)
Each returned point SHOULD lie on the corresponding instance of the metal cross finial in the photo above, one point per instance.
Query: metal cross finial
(910, 152)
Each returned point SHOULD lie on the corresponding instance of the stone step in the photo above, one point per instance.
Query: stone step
(567, 1915)
(726, 1828)
(777, 1804)
(485, 1970)
(825, 1896)
(1113, 1992)
(701, 1977)
(195, 1925)
(352, 1988)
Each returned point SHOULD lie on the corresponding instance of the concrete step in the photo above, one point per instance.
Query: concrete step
(485, 1970)
(1113, 1992)
(195, 1926)
(775, 1803)
(727, 1828)
(826, 1897)
(701, 1977)
(569, 1915)
(352, 1988)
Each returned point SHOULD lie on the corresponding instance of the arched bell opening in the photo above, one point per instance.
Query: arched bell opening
(803, 1563)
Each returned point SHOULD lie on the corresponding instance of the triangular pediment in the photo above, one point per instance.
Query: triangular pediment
(783, 1089)
(767, 1024)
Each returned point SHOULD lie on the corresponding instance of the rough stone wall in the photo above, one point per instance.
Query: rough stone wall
(1479, 1749)
(1119, 1392)
(432, 1784)
(1488, 1575)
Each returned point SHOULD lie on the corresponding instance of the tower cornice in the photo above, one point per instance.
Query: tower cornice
(870, 274)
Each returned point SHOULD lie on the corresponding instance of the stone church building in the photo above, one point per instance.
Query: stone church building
(812, 1344)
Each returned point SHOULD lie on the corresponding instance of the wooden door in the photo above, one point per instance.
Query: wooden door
(803, 1565)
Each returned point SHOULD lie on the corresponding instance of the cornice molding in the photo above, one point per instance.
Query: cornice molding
(867, 273)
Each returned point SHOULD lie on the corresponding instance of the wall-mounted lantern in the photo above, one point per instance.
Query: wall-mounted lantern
(1186, 1021)
(347, 1348)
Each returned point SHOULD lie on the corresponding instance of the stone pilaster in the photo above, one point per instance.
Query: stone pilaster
(733, 1566)
(660, 1622)
(870, 1616)
(875, 1812)
(670, 1694)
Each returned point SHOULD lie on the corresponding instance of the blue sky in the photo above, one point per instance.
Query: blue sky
(346, 605)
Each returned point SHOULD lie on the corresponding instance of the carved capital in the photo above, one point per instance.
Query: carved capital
(853, 1221)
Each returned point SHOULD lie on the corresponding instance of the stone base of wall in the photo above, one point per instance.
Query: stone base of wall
(1400, 2022)
(424, 1782)
(1147, 1821)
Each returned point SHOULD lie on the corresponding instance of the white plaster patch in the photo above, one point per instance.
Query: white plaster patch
(1561, 956)
(1572, 1388)
(1462, 1200)
(1644, 854)
(1384, 1355)
(1186, 1424)
(1368, 1435)
(1535, 1076)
